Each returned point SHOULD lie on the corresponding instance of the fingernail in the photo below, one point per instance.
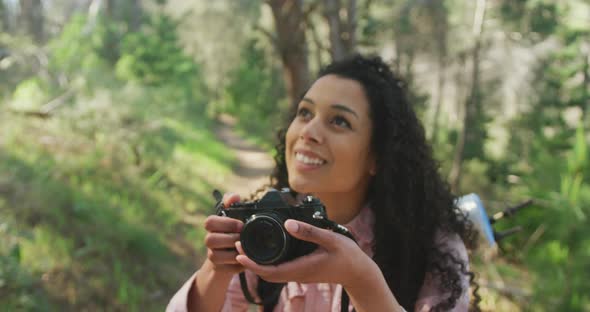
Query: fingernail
(291, 226)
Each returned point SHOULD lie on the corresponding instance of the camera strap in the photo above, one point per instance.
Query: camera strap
(248, 295)
(344, 300)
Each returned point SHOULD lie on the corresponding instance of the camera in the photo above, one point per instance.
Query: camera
(264, 238)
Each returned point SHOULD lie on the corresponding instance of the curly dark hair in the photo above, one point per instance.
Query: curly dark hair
(410, 200)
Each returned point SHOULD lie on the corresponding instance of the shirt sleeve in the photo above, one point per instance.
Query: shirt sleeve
(430, 294)
(234, 298)
(178, 303)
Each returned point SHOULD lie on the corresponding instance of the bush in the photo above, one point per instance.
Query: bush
(255, 92)
(153, 56)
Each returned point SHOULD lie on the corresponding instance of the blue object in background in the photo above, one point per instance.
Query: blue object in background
(472, 206)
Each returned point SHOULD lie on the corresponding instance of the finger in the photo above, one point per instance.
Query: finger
(223, 224)
(288, 271)
(235, 268)
(222, 256)
(221, 240)
(258, 269)
(238, 246)
(310, 233)
(230, 198)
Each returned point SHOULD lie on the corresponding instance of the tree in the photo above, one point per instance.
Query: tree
(115, 20)
(472, 104)
(4, 16)
(342, 24)
(109, 8)
(33, 19)
(438, 13)
(291, 44)
(135, 12)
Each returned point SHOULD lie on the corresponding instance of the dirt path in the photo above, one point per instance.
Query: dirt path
(252, 170)
(254, 164)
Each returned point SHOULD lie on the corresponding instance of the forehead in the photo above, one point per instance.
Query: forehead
(332, 89)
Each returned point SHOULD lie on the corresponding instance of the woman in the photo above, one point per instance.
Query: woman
(354, 142)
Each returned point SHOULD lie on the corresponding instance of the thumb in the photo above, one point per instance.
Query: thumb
(310, 233)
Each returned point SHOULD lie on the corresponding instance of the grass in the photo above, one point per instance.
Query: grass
(93, 202)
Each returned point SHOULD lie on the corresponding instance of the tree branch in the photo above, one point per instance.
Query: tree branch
(46, 109)
(273, 39)
(310, 9)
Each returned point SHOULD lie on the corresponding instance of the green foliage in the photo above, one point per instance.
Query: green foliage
(98, 201)
(19, 288)
(369, 29)
(535, 18)
(29, 95)
(544, 131)
(106, 39)
(113, 25)
(564, 247)
(153, 56)
(255, 93)
(544, 17)
(74, 51)
(92, 200)
(550, 153)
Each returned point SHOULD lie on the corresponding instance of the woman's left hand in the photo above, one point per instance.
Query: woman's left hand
(338, 259)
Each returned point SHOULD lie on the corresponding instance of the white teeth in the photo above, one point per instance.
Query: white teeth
(309, 160)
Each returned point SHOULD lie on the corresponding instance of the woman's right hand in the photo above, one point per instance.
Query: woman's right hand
(222, 234)
(212, 279)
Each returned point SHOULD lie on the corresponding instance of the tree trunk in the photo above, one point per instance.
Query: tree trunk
(585, 87)
(136, 13)
(440, 21)
(32, 19)
(4, 15)
(109, 9)
(319, 47)
(471, 104)
(351, 24)
(408, 72)
(292, 46)
(440, 88)
(397, 62)
(342, 28)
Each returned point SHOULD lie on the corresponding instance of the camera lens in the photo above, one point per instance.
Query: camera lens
(263, 238)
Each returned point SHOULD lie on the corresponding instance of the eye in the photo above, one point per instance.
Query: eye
(341, 122)
(304, 113)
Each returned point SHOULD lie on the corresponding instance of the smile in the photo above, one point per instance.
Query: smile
(309, 160)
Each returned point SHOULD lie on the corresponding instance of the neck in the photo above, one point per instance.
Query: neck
(342, 207)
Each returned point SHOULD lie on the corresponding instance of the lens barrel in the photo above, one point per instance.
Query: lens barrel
(264, 239)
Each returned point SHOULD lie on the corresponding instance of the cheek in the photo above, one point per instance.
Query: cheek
(290, 134)
(290, 138)
(354, 158)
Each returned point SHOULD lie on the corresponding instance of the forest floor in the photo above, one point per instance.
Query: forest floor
(254, 164)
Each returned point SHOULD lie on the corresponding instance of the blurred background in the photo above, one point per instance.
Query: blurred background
(118, 119)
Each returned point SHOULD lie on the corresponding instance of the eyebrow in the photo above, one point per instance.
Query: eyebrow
(336, 106)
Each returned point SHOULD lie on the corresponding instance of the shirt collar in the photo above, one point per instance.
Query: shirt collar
(361, 228)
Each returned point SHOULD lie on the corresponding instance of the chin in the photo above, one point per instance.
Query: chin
(301, 186)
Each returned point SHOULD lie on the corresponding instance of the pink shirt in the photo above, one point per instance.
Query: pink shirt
(299, 297)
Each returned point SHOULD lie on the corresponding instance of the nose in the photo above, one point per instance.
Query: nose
(312, 132)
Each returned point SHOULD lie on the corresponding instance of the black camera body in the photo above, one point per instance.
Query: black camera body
(264, 238)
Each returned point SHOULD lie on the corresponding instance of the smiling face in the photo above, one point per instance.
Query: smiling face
(328, 142)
